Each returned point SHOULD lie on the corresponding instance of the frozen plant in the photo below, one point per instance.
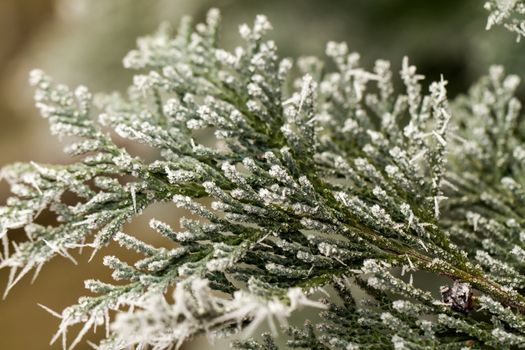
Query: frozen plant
(509, 13)
(320, 179)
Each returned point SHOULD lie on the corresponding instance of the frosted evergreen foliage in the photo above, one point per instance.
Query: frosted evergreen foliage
(508, 13)
(324, 181)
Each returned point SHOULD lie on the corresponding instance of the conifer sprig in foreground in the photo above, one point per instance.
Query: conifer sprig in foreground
(319, 178)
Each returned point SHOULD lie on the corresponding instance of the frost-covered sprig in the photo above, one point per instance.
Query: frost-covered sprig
(486, 176)
(315, 178)
(162, 325)
(396, 315)
(509, 13)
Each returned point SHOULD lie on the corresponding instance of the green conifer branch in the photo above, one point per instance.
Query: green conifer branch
(319, 178)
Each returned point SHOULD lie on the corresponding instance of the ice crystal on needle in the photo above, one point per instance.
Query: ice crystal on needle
(317, 179)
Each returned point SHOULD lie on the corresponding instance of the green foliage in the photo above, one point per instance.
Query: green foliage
(319, 178)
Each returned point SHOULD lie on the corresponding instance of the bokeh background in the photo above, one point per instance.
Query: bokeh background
(83, 42)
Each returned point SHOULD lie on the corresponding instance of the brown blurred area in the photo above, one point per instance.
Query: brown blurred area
(19, 21)
(83, 42)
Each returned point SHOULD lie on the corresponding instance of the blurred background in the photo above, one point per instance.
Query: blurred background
(83, 42)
